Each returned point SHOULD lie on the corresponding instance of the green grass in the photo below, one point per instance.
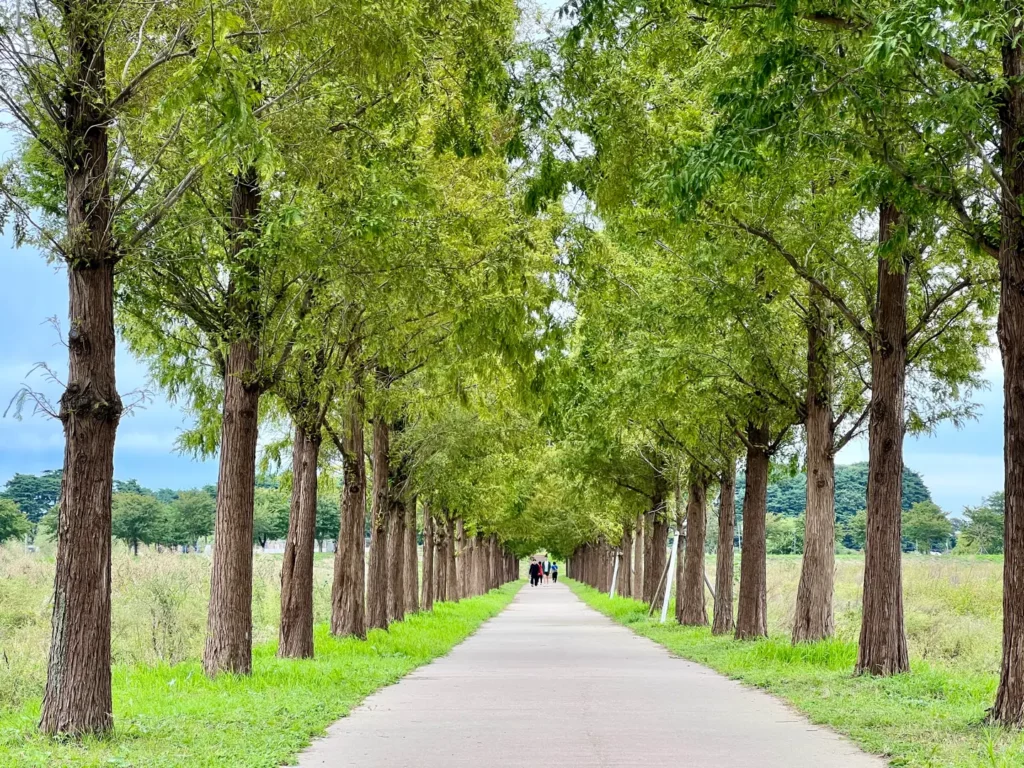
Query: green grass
(933, 717)
(172, 715)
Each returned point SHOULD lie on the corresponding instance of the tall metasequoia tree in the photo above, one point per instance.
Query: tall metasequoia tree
(77, 697)
(639, 557)
(690, 605)
(1009, 703)
(296, 632)
(655, 545)
(624, 588)
(377, 576)
(229, 618)
(752, 611)
(411, 566)
(723, 622)
(813, 619)
(427, 600)
(55, 85)
(348, 599)
(883, 641)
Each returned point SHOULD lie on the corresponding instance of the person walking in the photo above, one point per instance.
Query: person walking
(547, 571)
(534, 573)
(554, 572)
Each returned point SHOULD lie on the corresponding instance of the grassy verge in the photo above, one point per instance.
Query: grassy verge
(930, 718)
(173, 716)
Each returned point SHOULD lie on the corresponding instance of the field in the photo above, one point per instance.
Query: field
(166, 712)
(931, 718)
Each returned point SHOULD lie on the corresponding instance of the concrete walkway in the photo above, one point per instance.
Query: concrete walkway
(552, 682)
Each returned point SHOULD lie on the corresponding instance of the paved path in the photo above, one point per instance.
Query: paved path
(552, 682)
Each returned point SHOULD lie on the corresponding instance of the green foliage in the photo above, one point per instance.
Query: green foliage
(34, 494)
(787, 496)
(188, 518)
(927, 527)
(136, 519)
(13, 522)
(784, 535)
(983, 532)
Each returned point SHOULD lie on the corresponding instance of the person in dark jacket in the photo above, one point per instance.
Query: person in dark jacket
(534, 573)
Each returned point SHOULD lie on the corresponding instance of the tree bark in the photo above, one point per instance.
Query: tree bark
(440, 560)
(396, 552)
(813, 618)
(624, 588)
(348, 598)
(428, 559)
(723, 623)
(1009, 704)
(229, 619)
(657, 543)
(460, 558)
(883, 642)
(410, 573)
(296, 634)
(377, 577)
(751, 615)
(639, 551)
(77, 699)
(691, 609)
(451, 574)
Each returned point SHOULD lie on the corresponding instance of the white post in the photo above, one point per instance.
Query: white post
(670, 578)
(615, 575)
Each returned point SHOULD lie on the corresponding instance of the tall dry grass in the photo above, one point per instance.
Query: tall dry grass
(158, 610)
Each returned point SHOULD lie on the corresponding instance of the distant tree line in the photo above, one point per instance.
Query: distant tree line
(787, 495)
(163, 518)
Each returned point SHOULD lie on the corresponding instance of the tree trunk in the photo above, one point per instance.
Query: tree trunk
(751, 616)
(411, 560)
(229, 619)
(377, 578)
(296, 635)
(1009, 705)
(440, 560)
(690, 606)
(638, 557)
(396, 552)
(657, 543)
(451, 574)
(460, 558)
(723, 622)
(78, 697)
(624, 588)
(883, 643)
(348, 598)
(813, 617)
(428, 559)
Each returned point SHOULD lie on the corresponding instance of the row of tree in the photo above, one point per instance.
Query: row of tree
(796, 219)
(306, 217)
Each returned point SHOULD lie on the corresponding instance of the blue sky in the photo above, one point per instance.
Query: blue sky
(33, 292)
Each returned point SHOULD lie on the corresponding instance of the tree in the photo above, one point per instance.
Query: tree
(983, 531)
(13, 522)
(189, 518)
(35, 495)
(73, 77)
(270, 518)
(927, 526)
(136, 519)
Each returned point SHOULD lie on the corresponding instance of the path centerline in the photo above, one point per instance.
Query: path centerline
(552, 681)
